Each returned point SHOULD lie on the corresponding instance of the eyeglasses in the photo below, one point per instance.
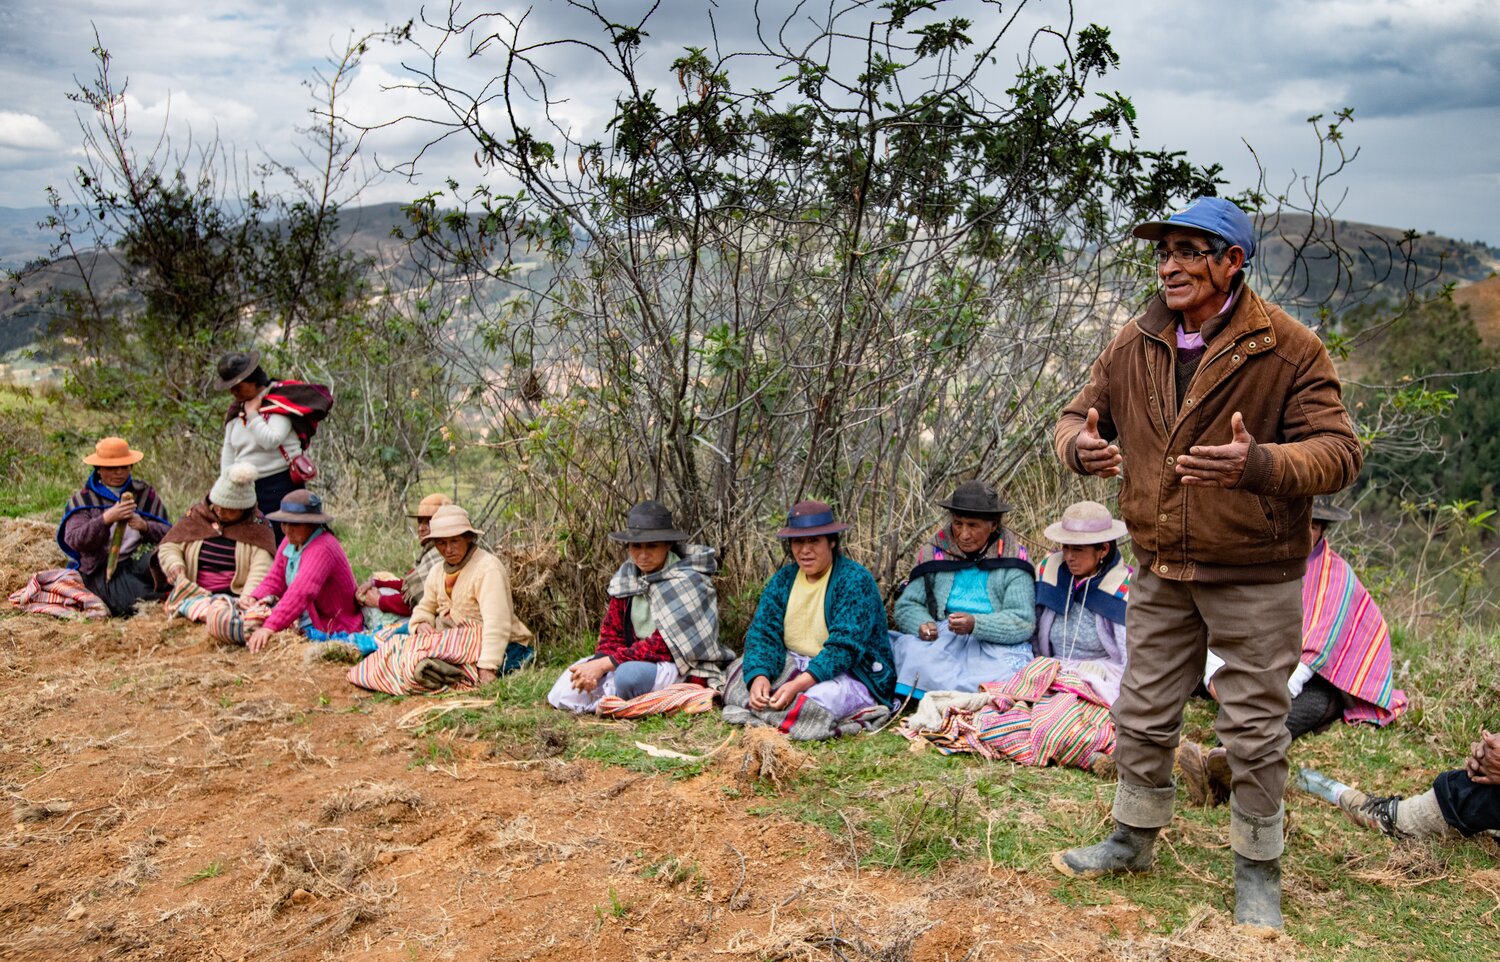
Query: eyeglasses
(1186, 256)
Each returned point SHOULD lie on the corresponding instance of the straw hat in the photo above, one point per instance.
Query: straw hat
(301, 507)
(647, 522)
(808, 519)
(428, 506)
(1085, 522)
(113, 453)
(450, 521)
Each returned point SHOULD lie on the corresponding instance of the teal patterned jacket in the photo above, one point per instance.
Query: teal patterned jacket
(858, 642)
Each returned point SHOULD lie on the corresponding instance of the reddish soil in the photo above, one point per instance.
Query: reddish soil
(176, 800)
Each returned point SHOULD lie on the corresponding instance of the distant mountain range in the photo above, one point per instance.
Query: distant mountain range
(366, 231)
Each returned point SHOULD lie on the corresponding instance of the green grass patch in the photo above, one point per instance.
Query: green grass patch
(1350, 893)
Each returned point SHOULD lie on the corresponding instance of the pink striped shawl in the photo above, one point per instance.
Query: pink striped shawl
(1044, 714)
(1346, 640)
(59, 592)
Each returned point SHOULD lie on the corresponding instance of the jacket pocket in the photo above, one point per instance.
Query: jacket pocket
(1275, 515)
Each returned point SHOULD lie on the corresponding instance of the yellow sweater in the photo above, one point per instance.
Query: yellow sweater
(482, 594)
(805, 627)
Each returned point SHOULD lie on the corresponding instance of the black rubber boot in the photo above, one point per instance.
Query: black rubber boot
(1257, 893)
(434, 674)
(1125, 850)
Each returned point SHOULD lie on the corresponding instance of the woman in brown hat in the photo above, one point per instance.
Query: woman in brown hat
(817, 657)
(662, 623)
(396, 597)
(1081, 593)
(266, 425)
(464, 632)
(111, 526)
(968, 611)
(311, 583)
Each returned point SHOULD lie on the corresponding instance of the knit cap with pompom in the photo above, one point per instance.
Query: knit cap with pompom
(235, 487)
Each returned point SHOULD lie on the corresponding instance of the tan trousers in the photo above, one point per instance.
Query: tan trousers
(1257, 630)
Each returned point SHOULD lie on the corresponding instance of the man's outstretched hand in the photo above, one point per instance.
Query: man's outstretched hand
(1097, 456)
(1218, 465)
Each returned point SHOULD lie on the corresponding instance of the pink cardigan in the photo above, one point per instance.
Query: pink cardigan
(324, 588)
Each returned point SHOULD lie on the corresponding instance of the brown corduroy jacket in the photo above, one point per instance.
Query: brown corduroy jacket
(1260, 362)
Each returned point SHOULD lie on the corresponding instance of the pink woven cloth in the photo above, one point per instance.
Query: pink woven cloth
(683, 697)
(392, 666)
(1044, 714)
(59, 592)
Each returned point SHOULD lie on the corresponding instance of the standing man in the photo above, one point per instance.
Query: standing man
(1224, 416)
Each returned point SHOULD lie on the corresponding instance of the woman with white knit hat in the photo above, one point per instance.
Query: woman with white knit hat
(223, 544)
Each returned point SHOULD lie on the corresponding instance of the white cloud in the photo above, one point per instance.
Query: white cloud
(27, 132)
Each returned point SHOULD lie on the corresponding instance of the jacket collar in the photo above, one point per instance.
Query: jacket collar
(1247, 316)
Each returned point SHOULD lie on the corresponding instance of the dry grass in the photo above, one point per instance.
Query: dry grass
(139, 863)
(393, 802)
(324, 870)
(833, 934)
(768, 755)
(26, 547)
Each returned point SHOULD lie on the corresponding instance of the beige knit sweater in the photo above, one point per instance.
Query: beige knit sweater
(482, 594)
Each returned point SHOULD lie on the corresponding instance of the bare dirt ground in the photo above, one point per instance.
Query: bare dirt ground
(172, 799)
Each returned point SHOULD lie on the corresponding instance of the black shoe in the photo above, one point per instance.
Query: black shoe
(1377, 812)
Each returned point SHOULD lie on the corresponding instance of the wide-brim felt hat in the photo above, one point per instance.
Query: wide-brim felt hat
(301, 507)
(648, 522)
(234, 367)
(1325, 510)
(975, 498)
(428, 506)
(113, 453)
(450, 521)
(808, 519)
(1086, 522)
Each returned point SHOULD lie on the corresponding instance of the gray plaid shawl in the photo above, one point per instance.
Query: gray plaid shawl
(685, 608)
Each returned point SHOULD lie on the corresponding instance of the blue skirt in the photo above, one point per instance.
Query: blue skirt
(953, 662)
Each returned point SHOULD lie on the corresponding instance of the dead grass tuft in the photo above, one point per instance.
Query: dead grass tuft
(25, 811)
(814, 940)
(394, 802)
(1209, 936)
(769, 755)
(26, 547)
(139, 864)
(260, 711)
(322, 867)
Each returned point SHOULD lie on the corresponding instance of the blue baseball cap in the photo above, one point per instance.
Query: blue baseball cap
(1213, 215)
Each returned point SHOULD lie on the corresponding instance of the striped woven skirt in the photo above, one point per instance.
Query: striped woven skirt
(392, 667)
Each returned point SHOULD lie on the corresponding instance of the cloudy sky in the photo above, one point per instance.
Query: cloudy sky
(1423, 77)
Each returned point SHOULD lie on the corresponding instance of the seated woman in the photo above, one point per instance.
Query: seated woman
(1080, 595)
(222, 545)
(662, 623)
(398, 596)
(817, 659)
(464, 632)
(311, 582)
(968, 612)
(110, 528)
